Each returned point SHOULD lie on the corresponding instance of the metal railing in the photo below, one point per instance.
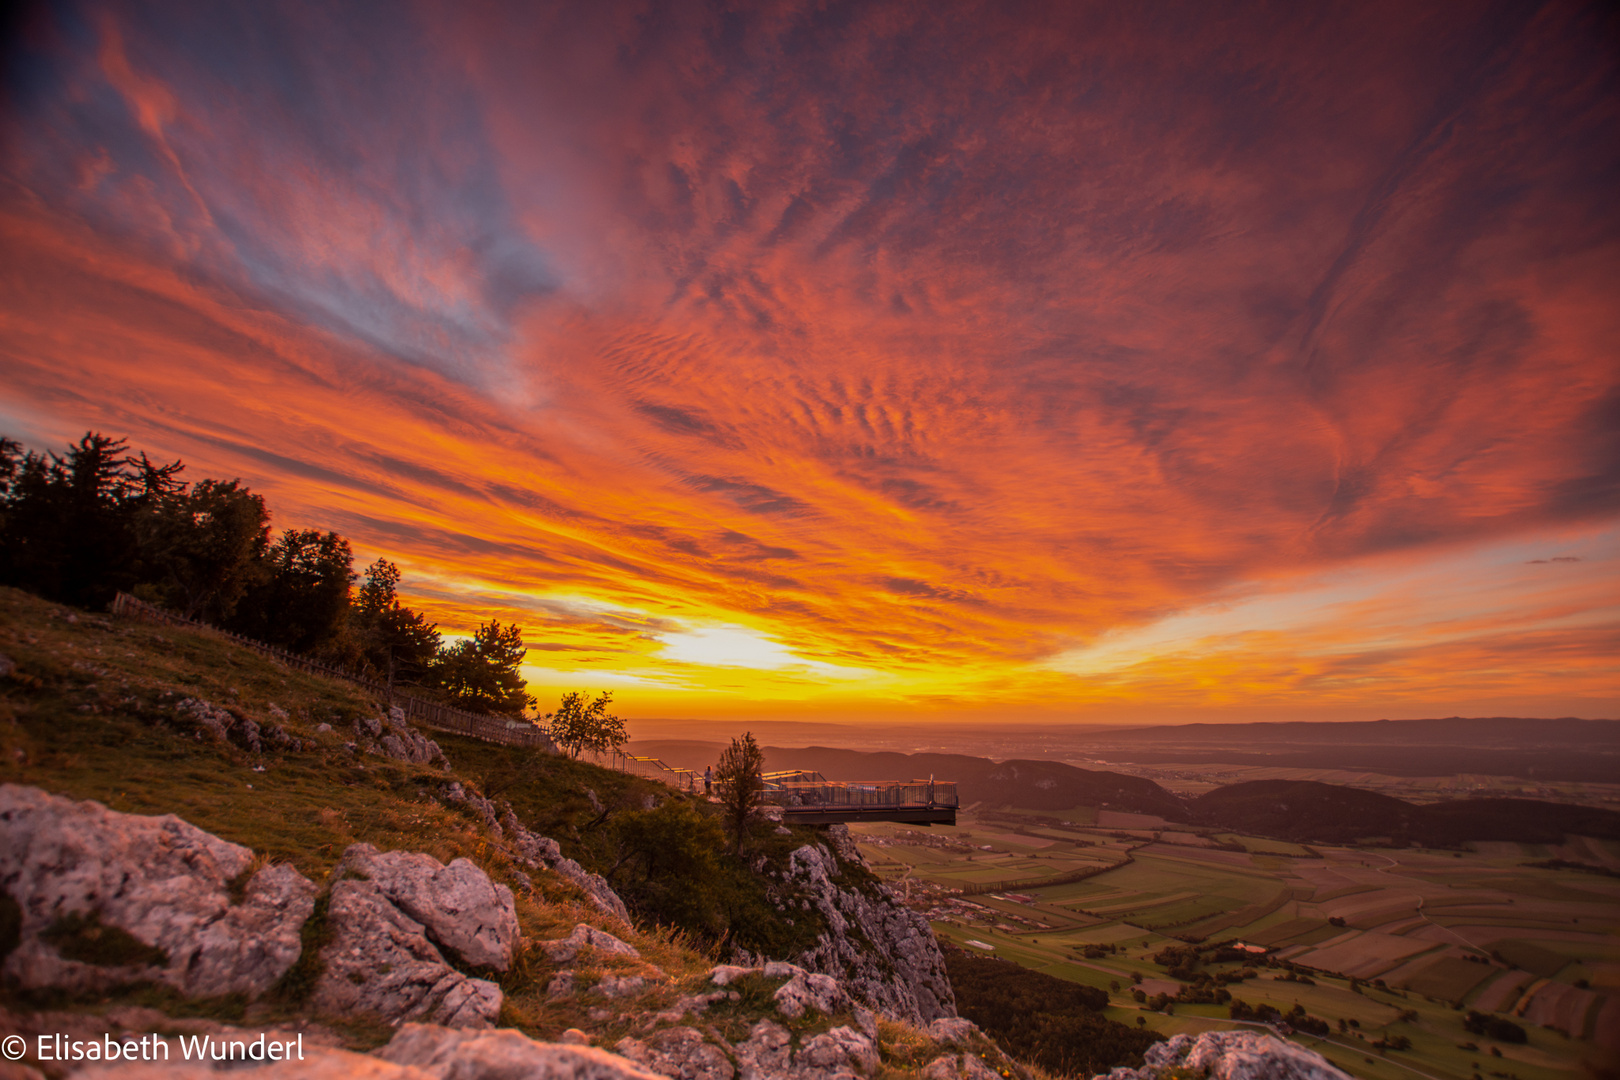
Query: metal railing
(877, 793)
(430, 714)
(649, 767)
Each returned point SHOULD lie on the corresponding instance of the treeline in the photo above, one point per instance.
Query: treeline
(81, 526)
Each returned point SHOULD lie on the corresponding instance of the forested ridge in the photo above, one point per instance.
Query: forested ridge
(97, 519)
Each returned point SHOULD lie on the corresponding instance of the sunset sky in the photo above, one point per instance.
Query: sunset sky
(1054, 362)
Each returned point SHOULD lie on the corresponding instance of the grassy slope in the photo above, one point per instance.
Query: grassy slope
(88, 713)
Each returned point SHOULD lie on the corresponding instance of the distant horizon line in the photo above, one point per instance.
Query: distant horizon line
(937, 722)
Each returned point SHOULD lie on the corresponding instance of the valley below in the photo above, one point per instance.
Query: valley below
(1387, 946)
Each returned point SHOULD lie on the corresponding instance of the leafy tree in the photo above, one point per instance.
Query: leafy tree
(739, 777)
(666, 868)
(481, 673)
(204, 548)
(394, 640)
(301, 600)
(580, 725)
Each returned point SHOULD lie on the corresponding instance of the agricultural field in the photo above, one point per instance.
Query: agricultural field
(1388, 946)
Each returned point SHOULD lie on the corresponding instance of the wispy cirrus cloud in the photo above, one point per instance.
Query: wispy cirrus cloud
(932, 345)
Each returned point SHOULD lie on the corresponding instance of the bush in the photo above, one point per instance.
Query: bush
(667, 867)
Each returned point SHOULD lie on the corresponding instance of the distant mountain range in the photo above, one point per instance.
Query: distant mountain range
(1285, 809)
(1556, 749)
(1329, 813)
(1505, 732)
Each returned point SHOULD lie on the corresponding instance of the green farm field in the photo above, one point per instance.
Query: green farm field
(1385, 945)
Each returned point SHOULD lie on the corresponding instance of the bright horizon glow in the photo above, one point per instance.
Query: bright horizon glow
(1054, 367)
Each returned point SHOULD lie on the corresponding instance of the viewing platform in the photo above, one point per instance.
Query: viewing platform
(809, 798)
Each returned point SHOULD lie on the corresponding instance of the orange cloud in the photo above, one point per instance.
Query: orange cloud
(766, 362)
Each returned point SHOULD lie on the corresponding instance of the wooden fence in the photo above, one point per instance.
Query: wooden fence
(429, 714)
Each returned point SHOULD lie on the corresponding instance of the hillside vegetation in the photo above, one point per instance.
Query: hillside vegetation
(93, 708)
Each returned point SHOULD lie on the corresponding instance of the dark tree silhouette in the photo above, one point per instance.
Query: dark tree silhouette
(481, 673)
(396, 642)
(739, 777)
(301, 600)
(204, 549)
(69, 521)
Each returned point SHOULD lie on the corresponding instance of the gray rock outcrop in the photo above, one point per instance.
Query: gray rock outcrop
(207, 716)
(562, 950)
(1230, 1055)
(536, 852)
(381, 963)
(388, 927)
(953, 1031)
(502, 1055)
(403, 742)
(459, 907)
(681, 1053)
(164, 884)
(768, 1054)
(417, 1052)
(806, 991)
(457, 795)
(959, 1067)
(901, 971)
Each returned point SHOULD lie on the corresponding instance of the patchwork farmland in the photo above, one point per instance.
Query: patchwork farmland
(1393, 948)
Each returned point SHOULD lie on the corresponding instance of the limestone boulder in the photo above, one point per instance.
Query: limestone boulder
(536, 851)
(952, 1031)
(172, 893)
(1231, 1055)
(563, 950)
(726, 974)
(839, 1054)
(445, 1054)
(884, 954)
(841, 1050)
(320, 1063)
(619, 986)
(807, 991)
(682, 1053)
(381, 962)
(402, 742)
(460, 909)
(959, 1067)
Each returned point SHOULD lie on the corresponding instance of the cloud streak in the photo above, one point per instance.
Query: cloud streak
(931, 345)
